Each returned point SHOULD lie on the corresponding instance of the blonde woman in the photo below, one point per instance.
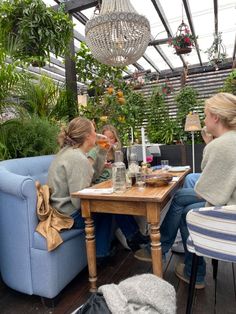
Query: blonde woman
(111, 133)
(216, 184)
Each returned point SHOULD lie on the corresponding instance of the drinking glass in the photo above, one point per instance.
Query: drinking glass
(140, 180)
(102, 141)
(164, 165)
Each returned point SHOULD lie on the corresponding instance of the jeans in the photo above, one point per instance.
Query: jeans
(190, 180)
(184, 200)
(103, 229)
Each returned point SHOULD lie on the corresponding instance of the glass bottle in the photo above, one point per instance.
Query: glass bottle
(133, 167)
(119, 173)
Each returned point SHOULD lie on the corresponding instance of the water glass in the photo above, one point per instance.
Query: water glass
(140, 180)
(164, 165)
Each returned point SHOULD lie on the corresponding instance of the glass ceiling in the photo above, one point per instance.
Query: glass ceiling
(203, 22)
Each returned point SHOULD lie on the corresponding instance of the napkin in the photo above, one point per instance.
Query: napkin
(97, 191)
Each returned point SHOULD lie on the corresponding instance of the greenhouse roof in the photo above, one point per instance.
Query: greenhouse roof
(204, 18)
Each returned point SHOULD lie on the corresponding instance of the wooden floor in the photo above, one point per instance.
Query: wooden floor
(221, 300)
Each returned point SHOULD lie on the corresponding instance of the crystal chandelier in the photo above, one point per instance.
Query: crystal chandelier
(118, 36)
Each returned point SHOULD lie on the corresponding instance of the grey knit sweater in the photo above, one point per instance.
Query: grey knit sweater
(217, 183)
(141, 294)
(69, 172)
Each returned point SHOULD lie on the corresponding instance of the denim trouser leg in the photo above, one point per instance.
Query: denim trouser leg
(171, 223)
(103, 225)
(183, 224)
(190, 180)
(127, 225)
(201, 271)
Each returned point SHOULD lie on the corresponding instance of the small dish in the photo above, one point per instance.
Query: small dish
(159, 180)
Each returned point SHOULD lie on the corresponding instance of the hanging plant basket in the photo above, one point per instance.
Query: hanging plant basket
(184, 41)
(182, 51)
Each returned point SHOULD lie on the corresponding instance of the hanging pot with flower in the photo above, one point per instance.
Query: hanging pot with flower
(184, 41)
(216, 52)
(167, 87)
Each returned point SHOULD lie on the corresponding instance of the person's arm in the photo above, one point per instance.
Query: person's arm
(97, 157)
(99, 163)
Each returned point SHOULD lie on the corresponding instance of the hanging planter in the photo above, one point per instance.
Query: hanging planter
(167, 87)
(217, 52)
(181, 51)
(184, 41)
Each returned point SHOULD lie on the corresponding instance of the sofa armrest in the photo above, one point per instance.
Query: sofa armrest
(20, 186)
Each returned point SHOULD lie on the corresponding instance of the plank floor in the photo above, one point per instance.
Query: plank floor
(212, 300)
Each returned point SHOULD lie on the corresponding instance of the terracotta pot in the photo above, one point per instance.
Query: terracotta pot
(181, 51)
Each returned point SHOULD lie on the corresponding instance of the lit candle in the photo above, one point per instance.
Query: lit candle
(132, 135)
(143, 145)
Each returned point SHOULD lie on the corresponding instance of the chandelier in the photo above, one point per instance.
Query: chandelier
(118, 36)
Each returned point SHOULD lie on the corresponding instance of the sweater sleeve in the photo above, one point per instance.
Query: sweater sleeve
(99, 163)
(217, 181)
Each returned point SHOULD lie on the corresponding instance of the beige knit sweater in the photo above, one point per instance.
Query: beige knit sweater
(217, 183)
(69, 172)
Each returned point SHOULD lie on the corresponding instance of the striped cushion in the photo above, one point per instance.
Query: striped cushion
(213, 232)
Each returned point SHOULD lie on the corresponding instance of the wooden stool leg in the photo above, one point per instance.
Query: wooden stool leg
(192, 284)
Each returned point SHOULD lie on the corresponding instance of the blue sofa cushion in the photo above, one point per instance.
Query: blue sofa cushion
(40, 243)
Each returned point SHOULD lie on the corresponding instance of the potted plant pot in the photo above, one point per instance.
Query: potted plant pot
(183, 50)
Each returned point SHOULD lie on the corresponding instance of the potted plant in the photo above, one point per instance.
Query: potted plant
(183, 41)
(38, 29)
(230, 83)
(216, 52)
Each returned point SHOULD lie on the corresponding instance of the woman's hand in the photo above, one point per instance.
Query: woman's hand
(108, 165)
(207, 137)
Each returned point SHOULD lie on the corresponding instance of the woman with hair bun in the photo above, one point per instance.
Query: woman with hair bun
(72, 171)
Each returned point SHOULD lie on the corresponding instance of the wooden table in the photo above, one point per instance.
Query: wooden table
(148, 202)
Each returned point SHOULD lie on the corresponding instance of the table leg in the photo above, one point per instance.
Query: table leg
(91, 253)
(156, 249)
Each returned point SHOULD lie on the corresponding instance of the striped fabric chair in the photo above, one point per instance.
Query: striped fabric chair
(212, 233)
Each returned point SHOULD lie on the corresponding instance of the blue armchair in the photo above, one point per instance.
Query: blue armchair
(25, 263)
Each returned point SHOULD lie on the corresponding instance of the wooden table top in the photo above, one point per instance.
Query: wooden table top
(149, 193)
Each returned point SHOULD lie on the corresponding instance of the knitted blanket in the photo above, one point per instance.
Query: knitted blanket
(141, 294)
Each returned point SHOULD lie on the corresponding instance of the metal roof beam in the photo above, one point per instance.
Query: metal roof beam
(234, 52)
(190, 21)
(72, 6)
(138, 67)
(216, 16)
(158, 42)
(151, 63)
(164, 57)
(161, 13)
